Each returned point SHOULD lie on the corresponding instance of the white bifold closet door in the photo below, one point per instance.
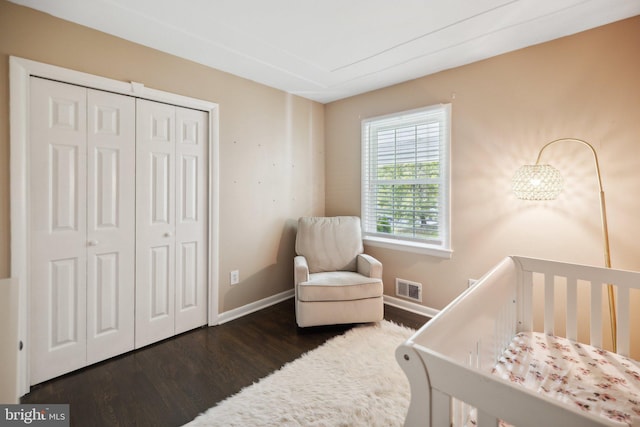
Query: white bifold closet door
(117, 224)
(82, 223)
(171, 208)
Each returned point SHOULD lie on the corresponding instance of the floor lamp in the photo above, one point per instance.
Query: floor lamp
(544, 182)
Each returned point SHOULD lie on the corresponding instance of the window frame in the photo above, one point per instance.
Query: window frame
(442, 247)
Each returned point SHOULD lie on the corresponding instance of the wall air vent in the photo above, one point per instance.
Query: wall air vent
(408, 289)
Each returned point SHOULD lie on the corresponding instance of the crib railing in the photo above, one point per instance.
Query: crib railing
(471, 332)
(448, 361)
(569, 278)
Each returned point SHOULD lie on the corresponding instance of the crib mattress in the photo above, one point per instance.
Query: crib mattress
(586, 377)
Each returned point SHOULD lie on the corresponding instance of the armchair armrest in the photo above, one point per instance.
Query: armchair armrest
(300, 269)
(369, 266)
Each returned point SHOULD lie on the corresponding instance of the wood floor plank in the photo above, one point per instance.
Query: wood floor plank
(171, 382)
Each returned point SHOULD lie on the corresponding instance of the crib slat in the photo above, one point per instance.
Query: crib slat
(596, 316)
(441, 408)
(486, 420)
(623, 322)
(549, 304)
(527, 302)
(459, 412)
(572, 308)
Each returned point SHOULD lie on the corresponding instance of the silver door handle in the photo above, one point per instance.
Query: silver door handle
(167, 234)
(92, 243)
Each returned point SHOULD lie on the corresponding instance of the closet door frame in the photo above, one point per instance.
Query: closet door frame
(20, 72)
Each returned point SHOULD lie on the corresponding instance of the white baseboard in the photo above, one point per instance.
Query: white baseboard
(410, 306)
(236, 313)
(227, 316)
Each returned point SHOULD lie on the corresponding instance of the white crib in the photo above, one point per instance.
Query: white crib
(449, 360)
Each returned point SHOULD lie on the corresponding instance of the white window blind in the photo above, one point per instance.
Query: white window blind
(405, 178)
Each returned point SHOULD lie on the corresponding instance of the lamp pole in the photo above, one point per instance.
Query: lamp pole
(605, 233)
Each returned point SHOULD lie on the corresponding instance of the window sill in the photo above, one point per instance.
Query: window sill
(409, 246)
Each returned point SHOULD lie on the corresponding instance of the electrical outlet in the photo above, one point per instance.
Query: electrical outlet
(234, 277)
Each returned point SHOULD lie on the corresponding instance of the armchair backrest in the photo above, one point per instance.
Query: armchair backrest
(329, 243)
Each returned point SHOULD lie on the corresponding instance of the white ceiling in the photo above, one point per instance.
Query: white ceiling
(331, 49)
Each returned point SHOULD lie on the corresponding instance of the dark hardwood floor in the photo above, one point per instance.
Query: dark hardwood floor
(171, 382)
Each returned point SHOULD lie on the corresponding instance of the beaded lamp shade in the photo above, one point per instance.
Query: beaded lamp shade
(537, 182)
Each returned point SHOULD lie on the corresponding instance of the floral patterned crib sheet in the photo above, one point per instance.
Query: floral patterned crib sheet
(591, 379)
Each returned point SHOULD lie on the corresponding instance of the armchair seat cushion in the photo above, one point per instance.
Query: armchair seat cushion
(339, 286)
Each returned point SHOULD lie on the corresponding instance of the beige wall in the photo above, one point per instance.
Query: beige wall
(503, 110)
(274, 167)
(271, 144)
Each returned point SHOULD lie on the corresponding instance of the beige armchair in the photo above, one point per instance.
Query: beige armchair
(334, 281)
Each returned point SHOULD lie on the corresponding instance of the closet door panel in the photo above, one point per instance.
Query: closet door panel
(155, 222)
(117, 205)
(110, 225)
(57, 243)
(191, 211)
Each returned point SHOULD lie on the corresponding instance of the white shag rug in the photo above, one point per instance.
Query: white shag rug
(351, 380)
